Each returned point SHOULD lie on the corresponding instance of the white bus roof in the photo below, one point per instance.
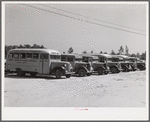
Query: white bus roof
(102, 55)
(50, 51)
(121, 56)
(73, 55)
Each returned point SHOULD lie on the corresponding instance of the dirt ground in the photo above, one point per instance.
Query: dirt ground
(112, 90)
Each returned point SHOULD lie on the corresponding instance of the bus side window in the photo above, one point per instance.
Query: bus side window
(63, 58)
(70, 59)
(35, 56)
(29, 55)
(22, 55)
(45, 56)
(11, 55)
(16, 55)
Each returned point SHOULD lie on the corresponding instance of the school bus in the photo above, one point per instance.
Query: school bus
(79, 67)
(98, 67)
(37, 61)
(112, 63)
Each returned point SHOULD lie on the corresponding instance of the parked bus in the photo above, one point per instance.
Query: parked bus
(37, 61)
(79, 67)
(98, 67)
(112, 63)
(125, 63)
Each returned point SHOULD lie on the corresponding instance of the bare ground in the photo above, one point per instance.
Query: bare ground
(112, 90)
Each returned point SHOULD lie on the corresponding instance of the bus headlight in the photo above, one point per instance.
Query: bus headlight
(65, 65)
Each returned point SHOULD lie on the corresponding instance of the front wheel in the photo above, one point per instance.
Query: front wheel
(114, 70)
(58, 74)
(142, 68)
(33, 74)
(20, 72)
(89, 74)
(100, 71)
(82, 72)
(68, 75)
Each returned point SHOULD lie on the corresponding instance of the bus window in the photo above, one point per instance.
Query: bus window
(29, 55)
(16, 56)
(63, 58)
(44, 56)
(102, 59)
(22, 55)
(11, 55)
(70, 59)
(55, 57)
(35, 56)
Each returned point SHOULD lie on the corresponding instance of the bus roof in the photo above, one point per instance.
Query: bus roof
(73, 55)
(89, 55)
(50, 51)
(102, 55)
(120, 56)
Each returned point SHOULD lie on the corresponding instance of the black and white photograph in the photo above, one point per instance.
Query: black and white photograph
(75, 60)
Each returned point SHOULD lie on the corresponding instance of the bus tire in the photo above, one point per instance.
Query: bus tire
(100, 71)
(89, 74)
(114, 70)
(68, 75)
(33, 74)
(20, 72)
(82, 72)
(58, 74)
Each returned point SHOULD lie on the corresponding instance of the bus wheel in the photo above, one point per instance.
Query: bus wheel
(20, 72)
(113, 70)
(33, 74)
(100, 71)
(82, 72)
(68, 76)
(89, 74)
(58, 74)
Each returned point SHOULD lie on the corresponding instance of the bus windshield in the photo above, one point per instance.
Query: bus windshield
(58, 57)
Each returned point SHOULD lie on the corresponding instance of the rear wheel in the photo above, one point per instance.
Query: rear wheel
(100, 71)
(33, 74)
(82, 72)
(58, 74)
(114, 70)
(20, 72)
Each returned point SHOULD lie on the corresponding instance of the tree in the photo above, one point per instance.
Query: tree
(121, 50)
(133, 55)
(105, 52)
(127, 50)
(101, 52)
(42, 46)
(20, 46)
(143, 56)
(112, 52)
(84, 52)
(27, 46)
(92, 51)
(138, 55)
(70, 50)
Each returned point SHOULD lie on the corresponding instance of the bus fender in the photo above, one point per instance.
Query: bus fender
(61, 68)
(101, 68)
(82, 67)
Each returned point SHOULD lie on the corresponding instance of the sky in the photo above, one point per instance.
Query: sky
(27, 23)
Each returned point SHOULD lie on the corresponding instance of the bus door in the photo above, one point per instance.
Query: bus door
(44, 64)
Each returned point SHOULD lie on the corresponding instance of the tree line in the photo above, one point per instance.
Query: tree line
(9, 47)
(121, 51)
